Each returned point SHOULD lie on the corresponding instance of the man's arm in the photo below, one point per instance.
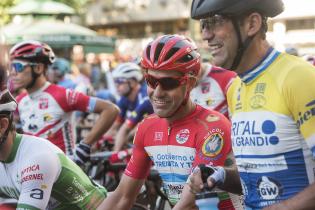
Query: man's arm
(304, 200)
(187, 200)
(124, 196)
(122, 136)
(108, 113)
(35, 193)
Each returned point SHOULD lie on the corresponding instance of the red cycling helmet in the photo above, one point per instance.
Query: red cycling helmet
(33, 51)
(172, 52)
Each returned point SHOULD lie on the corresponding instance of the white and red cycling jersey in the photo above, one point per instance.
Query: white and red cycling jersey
(46, 113)
(212, 88)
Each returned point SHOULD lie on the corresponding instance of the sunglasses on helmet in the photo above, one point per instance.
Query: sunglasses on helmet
(19, 66)
(166, 83)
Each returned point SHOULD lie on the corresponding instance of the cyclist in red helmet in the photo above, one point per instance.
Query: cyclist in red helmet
(180, 135)
(45, 108)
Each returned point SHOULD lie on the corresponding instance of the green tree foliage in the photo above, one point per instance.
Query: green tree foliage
(75, 4)
(4, 5)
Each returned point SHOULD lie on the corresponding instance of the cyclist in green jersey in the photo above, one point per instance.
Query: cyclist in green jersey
(37, 173)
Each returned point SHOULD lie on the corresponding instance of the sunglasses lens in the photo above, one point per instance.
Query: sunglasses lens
(18, 67)
(166, 83)
(169, 83)
(151, 82)
(119, 81)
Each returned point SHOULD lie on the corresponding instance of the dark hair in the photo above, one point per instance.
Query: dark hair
(3, 77)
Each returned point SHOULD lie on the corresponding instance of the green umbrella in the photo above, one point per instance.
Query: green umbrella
(59, 35)
(41, 7)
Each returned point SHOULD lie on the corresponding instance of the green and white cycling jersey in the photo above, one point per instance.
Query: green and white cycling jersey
(40, 176)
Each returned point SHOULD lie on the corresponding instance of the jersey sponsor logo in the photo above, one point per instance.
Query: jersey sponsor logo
(28, 174)
(260, 88)
(213, 145)
(158, 136)
(212, 118)
(307, 115)
(175, 188)
(209, 102)
(43, 103)
(248, 133)
(32, 127)
(133, 114)
(205, 87)
(47, 117)
(72, 97)
(268, 188)
(31, 177)
(257, 101)
(171, 160)
(182, 136)
(238, 105)
(37, 194)
(30, 169)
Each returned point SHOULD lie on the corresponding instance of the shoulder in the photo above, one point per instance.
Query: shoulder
(294, 71)
(150, 121)
(38, 151)
(37, 144)
(212, 118)
(222, 75)
(21, 96)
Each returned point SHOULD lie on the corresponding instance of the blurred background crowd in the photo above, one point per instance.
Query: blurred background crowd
(94, 36)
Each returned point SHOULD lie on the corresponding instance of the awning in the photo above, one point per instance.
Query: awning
(59, 35)
(41, 7)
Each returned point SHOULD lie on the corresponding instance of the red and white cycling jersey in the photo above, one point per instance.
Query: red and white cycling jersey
(46, 113)
(212, 88)
(175, 149)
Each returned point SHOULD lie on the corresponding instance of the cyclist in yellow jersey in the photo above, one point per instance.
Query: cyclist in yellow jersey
(272, 105)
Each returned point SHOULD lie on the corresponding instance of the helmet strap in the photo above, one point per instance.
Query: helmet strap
(242, 46)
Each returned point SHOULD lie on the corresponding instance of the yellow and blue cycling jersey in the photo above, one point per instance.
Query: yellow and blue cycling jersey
(272, 108)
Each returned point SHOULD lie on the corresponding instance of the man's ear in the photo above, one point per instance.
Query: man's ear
(39, 69)
(254, 23)
(4, 123)
(192, 81)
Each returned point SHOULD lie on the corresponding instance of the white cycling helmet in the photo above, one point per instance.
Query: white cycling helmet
(7, 102)
(128, 71)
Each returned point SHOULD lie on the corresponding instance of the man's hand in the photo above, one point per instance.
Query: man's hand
(82, 153)
(213, 176)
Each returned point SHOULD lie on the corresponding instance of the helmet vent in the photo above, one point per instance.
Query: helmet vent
(158, 50)
(185, 58)
(148, 51)
(171, 53)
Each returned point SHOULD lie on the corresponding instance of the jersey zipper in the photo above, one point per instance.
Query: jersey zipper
(169, 128)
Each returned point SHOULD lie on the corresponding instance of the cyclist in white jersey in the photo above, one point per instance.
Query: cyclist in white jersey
(212, 85)
(271, 104)
(45, 108)
(37, 173)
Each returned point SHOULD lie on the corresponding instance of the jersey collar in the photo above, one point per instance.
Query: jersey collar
(250, 75)
(15, 147)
